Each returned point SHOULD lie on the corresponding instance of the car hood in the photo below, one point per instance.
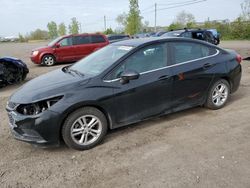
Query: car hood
(55, 83)
(42, 48)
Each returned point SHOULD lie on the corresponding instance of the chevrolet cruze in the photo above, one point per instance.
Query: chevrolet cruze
(121, 84)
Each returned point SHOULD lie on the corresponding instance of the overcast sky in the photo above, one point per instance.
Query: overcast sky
(23, 16)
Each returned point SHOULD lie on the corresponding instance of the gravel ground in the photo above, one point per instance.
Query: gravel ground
(192, 148)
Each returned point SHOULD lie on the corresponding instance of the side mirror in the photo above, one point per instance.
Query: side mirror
(129, 75)
(57, 45)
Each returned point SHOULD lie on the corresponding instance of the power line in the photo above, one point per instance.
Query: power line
(176, 3)
(179, 4)
(186, 4)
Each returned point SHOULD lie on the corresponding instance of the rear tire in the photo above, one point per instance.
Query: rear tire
(84, 128)
(218, 95)
(48, 60)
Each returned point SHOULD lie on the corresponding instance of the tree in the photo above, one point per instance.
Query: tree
(52, 28)
(62, 29)
(109, 31)
(74, 26)
(21, 38)
(175, 26)
(134, 23)
(145, 27)
(39, 35)
(245, 7)
(185, 19)
(121, 19)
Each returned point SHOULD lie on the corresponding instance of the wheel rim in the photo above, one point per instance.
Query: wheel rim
(48, 60)
(86, 130)
(220, 94)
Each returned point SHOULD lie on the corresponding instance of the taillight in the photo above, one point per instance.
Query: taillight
(238, 58)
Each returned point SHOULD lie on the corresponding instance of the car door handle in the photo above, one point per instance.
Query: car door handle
(164, 77)
(207, 65)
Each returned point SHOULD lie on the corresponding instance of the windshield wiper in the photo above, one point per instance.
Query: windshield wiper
(75, 71)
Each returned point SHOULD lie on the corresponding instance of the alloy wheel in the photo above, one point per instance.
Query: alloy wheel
(220, 94)
(86, 130)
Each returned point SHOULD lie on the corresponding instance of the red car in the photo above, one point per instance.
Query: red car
(68, 48)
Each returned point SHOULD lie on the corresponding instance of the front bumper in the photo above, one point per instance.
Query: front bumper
(42, 129)
(35, 59)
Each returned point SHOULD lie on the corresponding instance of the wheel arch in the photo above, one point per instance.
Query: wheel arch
(82, 105)
(227, 78)
(46, 53)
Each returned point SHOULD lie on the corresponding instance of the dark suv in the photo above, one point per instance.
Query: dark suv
(68, 48)
(200, 34)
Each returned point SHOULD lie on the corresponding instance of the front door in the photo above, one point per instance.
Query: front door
(148, 95)
(65, 52)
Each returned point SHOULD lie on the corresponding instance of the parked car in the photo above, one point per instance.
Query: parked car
(117, 37)
(159, 33)
(198, 34)
(68, 48)
(216, 35)
(140, 35)
(123, 83)
(12, 70)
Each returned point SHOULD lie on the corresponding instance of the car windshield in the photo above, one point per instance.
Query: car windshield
(100, 60)
(54, 41)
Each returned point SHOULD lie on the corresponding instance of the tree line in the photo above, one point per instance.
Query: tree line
(132, 23)
(54, 30)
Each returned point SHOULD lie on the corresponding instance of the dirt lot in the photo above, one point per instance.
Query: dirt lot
(193, 148)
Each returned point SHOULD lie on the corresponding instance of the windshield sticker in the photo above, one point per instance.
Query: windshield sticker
(127, 48)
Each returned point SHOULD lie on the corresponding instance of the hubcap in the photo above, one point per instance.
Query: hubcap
(86, 130)
(49, 60)
(220, 94)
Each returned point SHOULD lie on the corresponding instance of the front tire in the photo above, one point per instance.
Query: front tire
(84, 128)
(218, 95)
(48, 60)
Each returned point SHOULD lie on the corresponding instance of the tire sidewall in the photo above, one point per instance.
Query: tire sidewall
(54, 60)
(66, 129)
(209, 101)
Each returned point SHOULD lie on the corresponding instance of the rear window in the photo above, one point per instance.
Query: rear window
(97, 39)
(187, 51)
(78, 40)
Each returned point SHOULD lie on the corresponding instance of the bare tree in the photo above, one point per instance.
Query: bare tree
(185, 19)
(245, 7)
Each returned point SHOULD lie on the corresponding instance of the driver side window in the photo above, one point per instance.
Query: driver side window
(149, 58)
(66, 42)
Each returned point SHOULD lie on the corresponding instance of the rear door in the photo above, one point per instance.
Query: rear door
(65, 52)
(98, 41)
(151, 93)
(192, 68)
(82, 46)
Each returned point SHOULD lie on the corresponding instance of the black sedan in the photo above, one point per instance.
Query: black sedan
(121, 84)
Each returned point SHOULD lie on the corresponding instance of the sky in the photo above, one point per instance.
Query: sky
(23, 16)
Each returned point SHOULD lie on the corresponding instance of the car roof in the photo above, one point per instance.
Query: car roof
(144, 41)
(84, 34)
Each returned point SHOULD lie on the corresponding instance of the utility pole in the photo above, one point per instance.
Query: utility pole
(155, 15)
(80, 25)
(105, 23)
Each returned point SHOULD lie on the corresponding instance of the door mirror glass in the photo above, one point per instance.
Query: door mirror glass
(129, 75)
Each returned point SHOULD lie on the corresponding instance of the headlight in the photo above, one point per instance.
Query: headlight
(34, 53)
(38, 107)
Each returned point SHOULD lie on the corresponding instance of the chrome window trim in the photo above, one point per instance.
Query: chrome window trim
(217, 52)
